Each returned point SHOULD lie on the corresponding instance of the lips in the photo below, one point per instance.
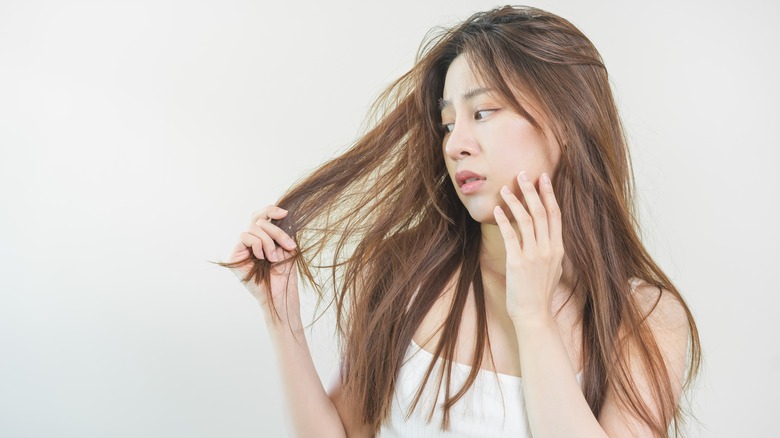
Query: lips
(466, 176)
(469, 182)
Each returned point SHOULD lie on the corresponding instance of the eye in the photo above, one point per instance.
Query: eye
(446, 127)
(479, 114)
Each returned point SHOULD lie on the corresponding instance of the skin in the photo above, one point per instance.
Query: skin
(524, 260)
(313, 411)
(524, 264)
(485, 135)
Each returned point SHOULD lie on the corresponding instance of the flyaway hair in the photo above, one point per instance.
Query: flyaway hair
(381, 231)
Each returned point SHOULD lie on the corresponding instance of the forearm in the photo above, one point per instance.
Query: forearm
(312, 412)
(555, 404)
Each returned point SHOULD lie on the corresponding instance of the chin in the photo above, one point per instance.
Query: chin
(482, 212)
(486, 220)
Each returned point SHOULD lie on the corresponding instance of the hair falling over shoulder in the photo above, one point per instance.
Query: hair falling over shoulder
(383, 221)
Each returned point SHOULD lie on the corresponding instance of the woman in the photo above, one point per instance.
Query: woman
(485, 220)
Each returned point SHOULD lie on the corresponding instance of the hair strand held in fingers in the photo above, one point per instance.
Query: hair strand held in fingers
(412, 221)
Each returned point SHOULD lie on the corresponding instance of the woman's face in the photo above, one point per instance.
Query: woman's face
(485, 136)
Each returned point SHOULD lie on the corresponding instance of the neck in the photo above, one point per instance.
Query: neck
(493, 258)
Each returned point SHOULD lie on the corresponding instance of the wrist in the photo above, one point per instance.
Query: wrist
(533, 320)
(282, 321)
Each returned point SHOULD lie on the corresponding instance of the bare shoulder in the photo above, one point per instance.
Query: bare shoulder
(667, 318)
(665, 312)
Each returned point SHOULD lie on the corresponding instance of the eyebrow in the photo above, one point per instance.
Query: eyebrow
(471, 94)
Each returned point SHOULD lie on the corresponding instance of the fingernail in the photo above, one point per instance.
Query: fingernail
(545, 178)
(291, 243)
(505, 190)
(523, 176)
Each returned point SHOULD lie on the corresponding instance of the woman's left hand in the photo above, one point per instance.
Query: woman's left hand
(534, 258)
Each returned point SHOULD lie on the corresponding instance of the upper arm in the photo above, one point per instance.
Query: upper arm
(668, 321)
(347, 410)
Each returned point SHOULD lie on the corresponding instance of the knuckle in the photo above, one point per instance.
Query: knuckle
(525, 219)
(257, 249)
(267, 242)
(257, 229)
(261, 212)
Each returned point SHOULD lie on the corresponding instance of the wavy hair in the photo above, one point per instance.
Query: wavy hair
(381, 231)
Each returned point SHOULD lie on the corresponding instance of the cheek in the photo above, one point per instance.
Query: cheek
(521, 151)
(509, 162)
(511, 142)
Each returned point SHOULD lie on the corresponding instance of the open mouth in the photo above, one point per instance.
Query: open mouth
(468, 181)
(464, 177)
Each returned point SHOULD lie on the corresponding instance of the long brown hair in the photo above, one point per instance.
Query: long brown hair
(380, 229)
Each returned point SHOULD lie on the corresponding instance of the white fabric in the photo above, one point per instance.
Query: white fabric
(480, 413)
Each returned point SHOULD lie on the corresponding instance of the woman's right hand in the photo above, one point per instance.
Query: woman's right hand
(267, 241)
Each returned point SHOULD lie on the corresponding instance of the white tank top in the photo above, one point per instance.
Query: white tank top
(479, 413)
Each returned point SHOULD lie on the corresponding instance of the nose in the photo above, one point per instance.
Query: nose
(461, 142)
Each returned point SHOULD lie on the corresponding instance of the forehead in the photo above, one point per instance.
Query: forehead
(462, 82)
(460, 78)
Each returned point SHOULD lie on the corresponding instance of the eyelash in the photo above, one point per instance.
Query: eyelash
(443, 126)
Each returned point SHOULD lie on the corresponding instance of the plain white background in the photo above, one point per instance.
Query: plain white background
(136, 138)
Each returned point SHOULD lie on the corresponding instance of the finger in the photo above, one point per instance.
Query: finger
(536, 209)
(286, 267)
(508, 233)
(553, 211)
(257, 249)
(284, 254)
(268, 244)
(258, 215)
(522, 218)
(275, 212)
(250, 241)
(277, 234)
(268, 212)
(239, 252)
